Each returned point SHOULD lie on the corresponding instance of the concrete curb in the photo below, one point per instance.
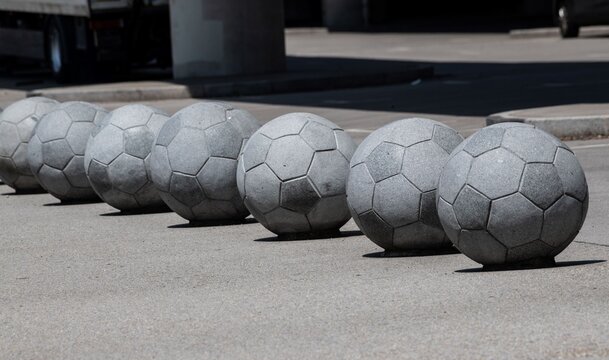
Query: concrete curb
(277, 83)
(553, 32)
(568, 127)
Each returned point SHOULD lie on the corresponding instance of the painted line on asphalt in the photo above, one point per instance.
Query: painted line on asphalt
(359, 131)
(591, 243)
(580, 147)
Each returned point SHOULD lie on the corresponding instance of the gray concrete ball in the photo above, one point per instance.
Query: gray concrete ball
(17, 124)
(118, 155)
(292, 175)
(57, 148)
(512, 193)
(194, 161)
(393, 181)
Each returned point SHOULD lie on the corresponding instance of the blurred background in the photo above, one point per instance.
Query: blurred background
(361, 63)
(85, 40)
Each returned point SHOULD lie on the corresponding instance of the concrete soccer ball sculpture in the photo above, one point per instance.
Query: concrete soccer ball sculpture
(512, 193)
(57, 148)
(292, 175)
(194, 161)
(17, 124)
(118, 154)
(392, 184)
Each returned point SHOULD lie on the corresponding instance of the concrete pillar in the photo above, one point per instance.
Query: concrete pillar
(227, 37)
(345, 15)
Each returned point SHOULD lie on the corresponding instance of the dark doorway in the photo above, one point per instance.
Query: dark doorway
(303, 13)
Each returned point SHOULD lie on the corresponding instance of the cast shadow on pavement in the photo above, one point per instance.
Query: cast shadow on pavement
(200, 224)
(74, 202)
(24, 192)
(412, 253)
(304, 237)
(152, 211)
(458, 88)
(558, 264)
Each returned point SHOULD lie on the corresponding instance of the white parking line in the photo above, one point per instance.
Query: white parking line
(359, 131)
(589, 146)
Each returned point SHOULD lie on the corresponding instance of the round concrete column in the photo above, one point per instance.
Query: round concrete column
(228, 37)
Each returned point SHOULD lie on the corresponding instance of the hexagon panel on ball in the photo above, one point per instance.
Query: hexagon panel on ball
(292, 175)
(117, 158)
(194, 161)
(512, 195)
(57, 148)
(392, 185)
(17, 124)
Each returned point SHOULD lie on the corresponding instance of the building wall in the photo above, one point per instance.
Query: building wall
(311, 12)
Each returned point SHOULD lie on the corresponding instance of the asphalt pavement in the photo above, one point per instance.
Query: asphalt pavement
(84, 281)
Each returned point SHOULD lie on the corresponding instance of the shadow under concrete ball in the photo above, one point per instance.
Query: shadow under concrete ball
(511, 193)
(194, 161)
(292, 175)
(393, 180)
(17, 124)
(57, 148)
(118, 154)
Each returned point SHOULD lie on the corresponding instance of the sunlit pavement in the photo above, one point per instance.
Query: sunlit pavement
(82, 281)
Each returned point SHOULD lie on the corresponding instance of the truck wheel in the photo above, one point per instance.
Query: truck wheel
(567, 28)
(58, 50)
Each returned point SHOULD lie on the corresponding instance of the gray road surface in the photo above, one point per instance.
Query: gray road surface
(82, 281)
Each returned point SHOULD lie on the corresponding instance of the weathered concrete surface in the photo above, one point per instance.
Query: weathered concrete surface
(56, 150)
(512, 193)
(292, 175)
(117, 157)
(17, 123)
(79, 285)
(597, 31)
(302, 75)
(193, 163)
(573, 121)
(392, 184)
(230, 37)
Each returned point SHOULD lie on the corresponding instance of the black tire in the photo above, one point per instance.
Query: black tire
(568, 29)
(67, 63)
(59, 49)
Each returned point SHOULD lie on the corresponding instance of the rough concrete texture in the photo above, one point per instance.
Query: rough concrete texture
(17, 124)
(194, 161)
(56, 150)
(118, 155)
(573, 121)
(292, 174)
(391, 189)
(512, 193)
(139, 287)
(208, 37)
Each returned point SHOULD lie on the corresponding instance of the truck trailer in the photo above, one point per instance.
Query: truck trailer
(81, 39)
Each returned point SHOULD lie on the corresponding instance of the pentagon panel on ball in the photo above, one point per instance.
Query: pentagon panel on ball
(17, 124)
(57, 148)
(512, 195)
(118, 155)
(194, 161)
(292, 175)
(392, 184)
